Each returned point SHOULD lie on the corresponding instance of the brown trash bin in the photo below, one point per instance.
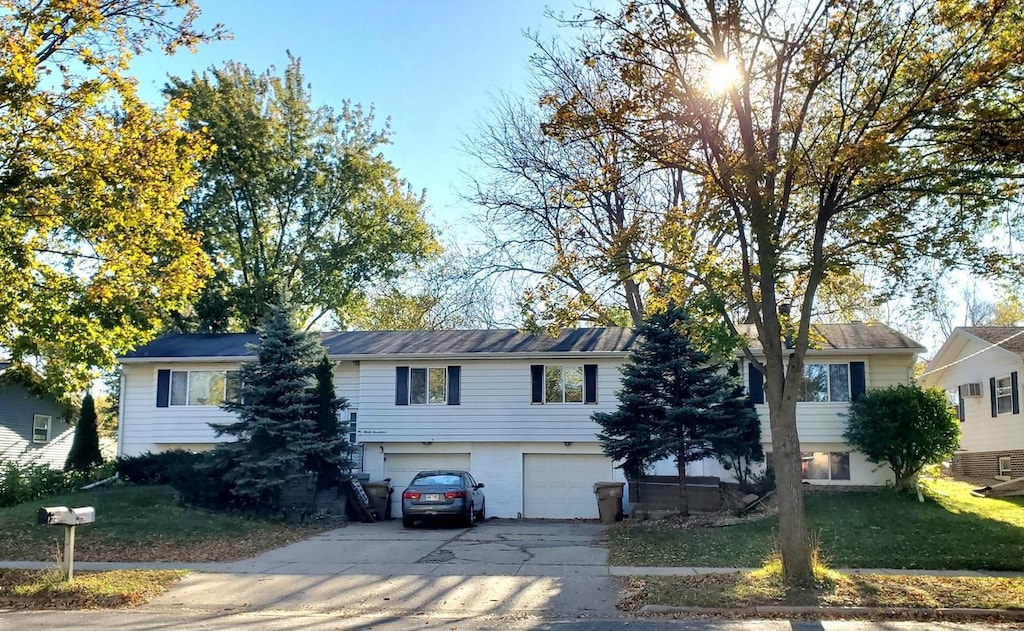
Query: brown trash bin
(609, 501)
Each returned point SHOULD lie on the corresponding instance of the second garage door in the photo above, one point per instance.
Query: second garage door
(561, 486)
(402, 467)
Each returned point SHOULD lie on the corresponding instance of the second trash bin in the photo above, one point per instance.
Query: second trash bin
(609, 501)
(380, 497)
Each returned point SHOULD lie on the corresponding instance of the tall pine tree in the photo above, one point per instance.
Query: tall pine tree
(85, 448)
(331, 455)
(673, 402)
(276, 431)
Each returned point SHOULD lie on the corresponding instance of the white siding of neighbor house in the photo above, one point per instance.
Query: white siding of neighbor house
(980, 431)
(494, 405)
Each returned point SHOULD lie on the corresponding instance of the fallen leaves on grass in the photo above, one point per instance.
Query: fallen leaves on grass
(759, 588)
(46, 589)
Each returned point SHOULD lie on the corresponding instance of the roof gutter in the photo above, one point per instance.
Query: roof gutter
(392, 357)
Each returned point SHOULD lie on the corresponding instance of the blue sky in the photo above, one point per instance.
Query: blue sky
(432, 67)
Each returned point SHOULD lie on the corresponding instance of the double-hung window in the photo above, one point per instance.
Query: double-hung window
(1004, 395)
(427, 385)
(41, 428)
(825, 383)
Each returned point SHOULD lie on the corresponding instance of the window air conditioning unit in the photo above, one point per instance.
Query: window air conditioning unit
(971, 389)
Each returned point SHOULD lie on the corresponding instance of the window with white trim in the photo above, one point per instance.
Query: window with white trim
(428, 386)
(825, 465)
(203, 387)
(1005, 467)
(1004, 395)
(825, 383)
(352, 428)
(563, 384)
(41, 428)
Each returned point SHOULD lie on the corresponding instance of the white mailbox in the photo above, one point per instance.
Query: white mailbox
(64, 516)
(55, 515)
(84, 515)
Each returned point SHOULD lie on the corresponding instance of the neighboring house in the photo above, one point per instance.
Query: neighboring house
(33, 428)
(844, 361)
(512, 408)
(980, 368)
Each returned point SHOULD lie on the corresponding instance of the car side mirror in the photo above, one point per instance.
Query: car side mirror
(479, 485)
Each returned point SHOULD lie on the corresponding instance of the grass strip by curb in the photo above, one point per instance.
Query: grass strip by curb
(760, 590)
(45, 589)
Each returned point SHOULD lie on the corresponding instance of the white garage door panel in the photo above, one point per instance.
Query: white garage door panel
(561, 486)
(402, 467)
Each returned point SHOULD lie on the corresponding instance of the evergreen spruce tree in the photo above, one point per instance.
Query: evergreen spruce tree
(331, 455)
(739, 445)
(276, 431)
(85, 448)
(672, 402)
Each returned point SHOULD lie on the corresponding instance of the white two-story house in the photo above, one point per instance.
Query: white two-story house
(512, 408)
(979, 368)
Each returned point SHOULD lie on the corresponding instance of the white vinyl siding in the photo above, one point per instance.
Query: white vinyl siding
(495, 405)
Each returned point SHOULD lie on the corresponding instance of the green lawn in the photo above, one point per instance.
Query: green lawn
(951, 530)
(143, 523)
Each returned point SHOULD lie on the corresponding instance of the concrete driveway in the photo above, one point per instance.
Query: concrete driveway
(499, 568)
(491, 548)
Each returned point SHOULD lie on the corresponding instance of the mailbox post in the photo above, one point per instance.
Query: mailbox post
(69, 518)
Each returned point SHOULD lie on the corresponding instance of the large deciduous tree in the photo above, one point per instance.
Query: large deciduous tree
(94, 247)
(296, 198)
(814, 138)
(676, 402)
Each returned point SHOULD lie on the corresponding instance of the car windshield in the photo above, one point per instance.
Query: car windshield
(442, 480)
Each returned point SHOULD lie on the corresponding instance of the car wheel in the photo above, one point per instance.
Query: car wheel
(470, 516)
(407, 521)
(482, 515)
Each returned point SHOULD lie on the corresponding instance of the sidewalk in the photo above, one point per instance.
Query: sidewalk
(246, 567)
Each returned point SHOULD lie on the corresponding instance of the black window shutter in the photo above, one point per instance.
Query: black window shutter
(401, 385)
(590, 383)
(960, 403)
(858, 380)
(992, 391)
(1015, 396)
(756, 387)
(537, 383)
(454, 385)
(163, 388)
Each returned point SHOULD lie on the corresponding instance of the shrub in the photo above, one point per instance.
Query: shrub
(21, 483)
(204, 484)
(907, 427)
(159, 468)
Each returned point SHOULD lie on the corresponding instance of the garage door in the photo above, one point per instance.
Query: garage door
(561, 486)
(402, 467)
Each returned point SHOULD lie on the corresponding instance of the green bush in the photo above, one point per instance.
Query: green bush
(21, 483)
(204, 484)
(159, 468)
(906, 427)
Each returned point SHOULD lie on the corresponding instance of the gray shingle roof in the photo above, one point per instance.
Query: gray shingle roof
(850, 336)
(997, 334)
(366, 343)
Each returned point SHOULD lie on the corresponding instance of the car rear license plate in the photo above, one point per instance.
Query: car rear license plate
(432, 497)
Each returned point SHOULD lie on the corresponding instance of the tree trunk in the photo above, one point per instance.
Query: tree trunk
(793, 540)
(684, 500)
